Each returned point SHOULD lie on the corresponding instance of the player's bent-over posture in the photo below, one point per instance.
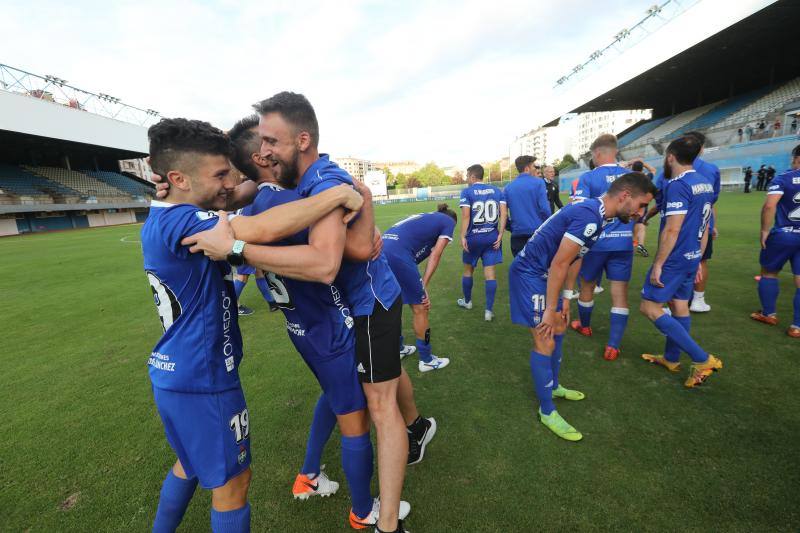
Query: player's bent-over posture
(194, 366)
(613, 253)
(780, 243)
(537, 276)
(406, 244)
(483, 222)
(687, 202)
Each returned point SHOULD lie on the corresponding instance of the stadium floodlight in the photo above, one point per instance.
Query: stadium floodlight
(596, 54)
(577, 68)
(55, 80)
(624, 32)
(654, 10)
(152, 112)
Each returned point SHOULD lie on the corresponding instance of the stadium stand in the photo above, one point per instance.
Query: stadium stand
(675, 122)
(640, 131)
(86, 185)
(121, 182)
(761, 108)
(20, 186)
(719, 113)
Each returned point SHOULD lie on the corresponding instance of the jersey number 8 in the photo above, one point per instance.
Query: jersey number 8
(485, 212)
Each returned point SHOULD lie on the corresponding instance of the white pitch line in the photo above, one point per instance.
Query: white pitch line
(125, 239)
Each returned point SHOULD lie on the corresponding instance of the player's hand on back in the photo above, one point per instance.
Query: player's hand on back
(351, 201)
(215, 243)
(377, 244)
(162, 186)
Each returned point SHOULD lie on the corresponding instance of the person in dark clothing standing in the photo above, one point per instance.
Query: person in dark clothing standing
(770, 175)
(762, 178)
(748, 177)
(551, 181)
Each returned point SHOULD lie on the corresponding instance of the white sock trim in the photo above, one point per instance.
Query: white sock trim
(590, 303)
(621, 310)
(700, 294)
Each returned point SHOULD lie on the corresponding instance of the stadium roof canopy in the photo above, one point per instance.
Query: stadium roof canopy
(751, 52)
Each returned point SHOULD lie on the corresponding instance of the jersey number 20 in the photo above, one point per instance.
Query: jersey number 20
(485, 212)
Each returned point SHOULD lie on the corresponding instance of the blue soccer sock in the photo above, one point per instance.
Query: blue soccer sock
(238, 287)
(542, 373)
(796, 302)
(670, 327)
(768, 289)
(236, 521)
(263, 286)
(466, 288)
(555, 359)
(491, 289)
(357, 461)
(424, 351)
(672, 352)
(321, 427)
(176, 493)
(585, 312)
(619, 321)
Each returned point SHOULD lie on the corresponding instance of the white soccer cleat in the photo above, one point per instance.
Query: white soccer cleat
(488, 316)
(372, 518)
(408, 349)
(699, 306)
(305, 487)
(598, 289)
(436, 363)
(462, 303)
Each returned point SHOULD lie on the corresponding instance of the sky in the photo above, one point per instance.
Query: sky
(446, 81)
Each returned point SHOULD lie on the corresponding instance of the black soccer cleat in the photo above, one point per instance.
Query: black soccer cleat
(416, 445)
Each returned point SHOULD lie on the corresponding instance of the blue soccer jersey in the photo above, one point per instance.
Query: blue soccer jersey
(366, 282)
(417, 234)
(617, 236)
(201, 347)
(484, 203)
(787, 215)
(526, 197)
(692, 195)
(581, 222)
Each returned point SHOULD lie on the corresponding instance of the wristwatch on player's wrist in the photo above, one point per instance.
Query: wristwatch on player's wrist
(236, 257)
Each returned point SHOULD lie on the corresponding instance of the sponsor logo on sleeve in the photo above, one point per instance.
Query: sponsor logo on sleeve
(674, 205)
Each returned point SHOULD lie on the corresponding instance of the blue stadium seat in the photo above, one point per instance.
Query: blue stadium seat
(19, 182)
(718, 113)
(121, 182)
(640, 131)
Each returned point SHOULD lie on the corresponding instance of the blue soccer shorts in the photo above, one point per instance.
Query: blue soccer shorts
(481, 247)
(527, 296)
(782, 246)
(678, 285)
(338, 378)
(405, 270)
(209, 432)
(617, 265)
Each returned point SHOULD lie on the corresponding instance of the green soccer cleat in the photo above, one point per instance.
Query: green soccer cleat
(559, 426)
(568, 394)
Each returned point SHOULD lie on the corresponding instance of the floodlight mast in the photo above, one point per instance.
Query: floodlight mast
(57, 90)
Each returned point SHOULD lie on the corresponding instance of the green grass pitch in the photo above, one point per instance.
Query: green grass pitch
(82, 448)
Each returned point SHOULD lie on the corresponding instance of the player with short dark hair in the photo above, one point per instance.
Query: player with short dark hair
(194, 366)
(536, 281)
(613, 253)
(780, 243)
(526, 198)
(406, 244)
(483, 222)
(688, 199)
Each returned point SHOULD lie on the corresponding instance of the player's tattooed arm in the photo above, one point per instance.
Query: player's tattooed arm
(666, 243)
(768, 216)
(360, 243)
(433, 260)
(287, 219)
(554, 322)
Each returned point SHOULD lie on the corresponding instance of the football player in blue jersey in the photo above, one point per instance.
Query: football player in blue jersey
(483, 221)
(780, 242)
(536, 281)
(526, 198)
(613, 253)
(687, 203)
(290, 134)
(710, 171)
(194, 366)
(407, 244)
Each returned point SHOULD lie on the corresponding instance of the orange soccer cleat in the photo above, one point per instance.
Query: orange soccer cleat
(611, 353)
(699, 372)
(758, 316)
(794, 332)
(585, 331)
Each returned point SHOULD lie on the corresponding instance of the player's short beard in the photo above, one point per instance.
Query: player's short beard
(289, 171)
(667, 170)
(624, 218)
